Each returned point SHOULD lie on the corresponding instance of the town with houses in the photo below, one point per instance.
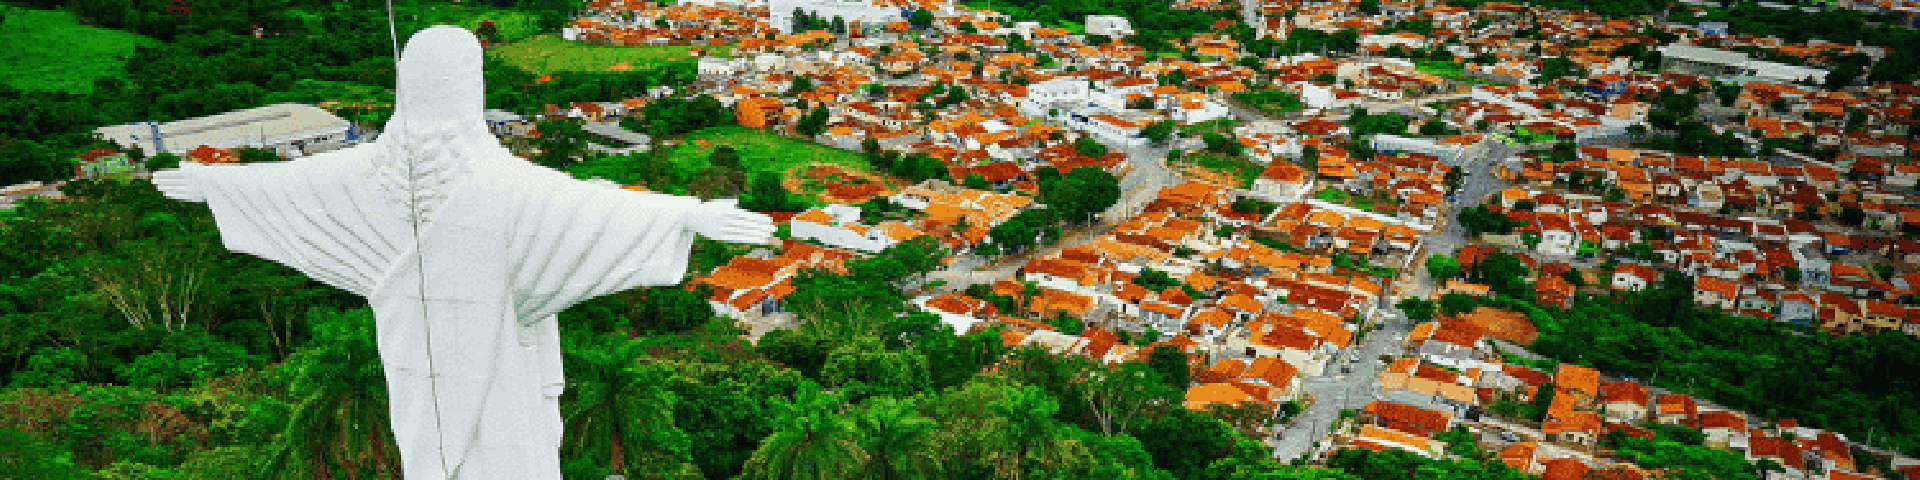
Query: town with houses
(1824, 236)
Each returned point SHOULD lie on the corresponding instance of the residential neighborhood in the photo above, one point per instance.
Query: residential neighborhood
(1342, 240)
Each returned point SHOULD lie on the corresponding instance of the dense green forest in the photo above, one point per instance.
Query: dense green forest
(210, 65)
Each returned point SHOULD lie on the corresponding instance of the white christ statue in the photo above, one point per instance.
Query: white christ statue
(466, 254)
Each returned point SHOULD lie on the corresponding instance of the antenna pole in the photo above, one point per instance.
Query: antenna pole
(394, 37)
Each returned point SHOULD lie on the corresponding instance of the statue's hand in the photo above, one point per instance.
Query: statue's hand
(723, 220)
(177, 183)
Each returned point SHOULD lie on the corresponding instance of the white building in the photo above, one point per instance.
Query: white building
(1390, 40)
(293, 129)
(839, 226)
(869, 15)
(1449, 153)
(1109, 25)
(1733, 66)
(1197, 112)
(1025, 29)
(1324, 98)
(504, 123)
(1063, 89)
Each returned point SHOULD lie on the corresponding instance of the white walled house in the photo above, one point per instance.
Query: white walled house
(1197, 112)
(1025, 29)
(1110, 25)
(838, 225)
(1389, 40)
(711, 68)
(1068, 89)
(1633, 276)
(1108, 128)
(1324, 97)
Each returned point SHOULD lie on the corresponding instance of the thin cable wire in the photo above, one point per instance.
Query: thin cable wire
(412, 204)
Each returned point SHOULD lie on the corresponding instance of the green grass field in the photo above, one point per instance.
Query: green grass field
(51, 51)
(1450, 70)
(314, 91)
(762, 151)
(512, 25)
(547, 53)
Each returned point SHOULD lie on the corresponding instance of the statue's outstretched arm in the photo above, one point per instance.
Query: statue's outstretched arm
(177, 183)
(723, 220)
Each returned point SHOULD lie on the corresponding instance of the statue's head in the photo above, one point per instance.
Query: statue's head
(441, 89)
(438, 128)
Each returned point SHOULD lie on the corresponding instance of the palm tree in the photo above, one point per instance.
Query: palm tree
(340, 428)
(811, 440)
(1026, 430)
(619, 413)
(893, 432)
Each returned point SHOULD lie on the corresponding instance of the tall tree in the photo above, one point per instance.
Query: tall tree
(340, 427)
(1172, 365)
(863, 368)
(920, 19)
(1120, 395)
(1027, 432)
(767, 194)
(1086, 146)
(1442, 267)
(812, 439)
(617, 413)
(893, 433)
(725, 157)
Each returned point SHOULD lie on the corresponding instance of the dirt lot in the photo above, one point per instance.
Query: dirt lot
(833, 184)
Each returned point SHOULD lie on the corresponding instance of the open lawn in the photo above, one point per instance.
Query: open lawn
(51, 51)
(547, 53)
(1271, 102)
(1450, 70)
(1444, 69)
(761, 151)
(1222, 125)
(1241, 170)
(308, 90)
(512, 25)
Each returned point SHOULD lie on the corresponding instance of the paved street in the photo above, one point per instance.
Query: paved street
(1138, 188)
(613, 131)
(1348, 384)
(1344, 390)
(1479, 183)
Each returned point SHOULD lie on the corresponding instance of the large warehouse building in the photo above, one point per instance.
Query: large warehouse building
(293, 129)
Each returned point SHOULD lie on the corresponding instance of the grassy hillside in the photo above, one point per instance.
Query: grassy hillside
(548, 53)
(762, 151)
(51, 51)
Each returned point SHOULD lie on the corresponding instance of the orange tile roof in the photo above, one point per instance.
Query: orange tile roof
(1199, 397)
(1577, 377)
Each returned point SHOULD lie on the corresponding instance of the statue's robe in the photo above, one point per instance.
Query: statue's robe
(465, 307)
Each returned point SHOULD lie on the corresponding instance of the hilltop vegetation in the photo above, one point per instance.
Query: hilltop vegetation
(208, 63)
(52, 51)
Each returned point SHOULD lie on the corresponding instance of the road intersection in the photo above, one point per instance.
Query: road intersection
(1349, 379)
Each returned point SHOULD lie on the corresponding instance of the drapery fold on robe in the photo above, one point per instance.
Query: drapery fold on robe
(473, 374)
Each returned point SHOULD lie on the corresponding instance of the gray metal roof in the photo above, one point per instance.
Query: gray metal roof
(1708, 55)
(269, 125)
(498, 115)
